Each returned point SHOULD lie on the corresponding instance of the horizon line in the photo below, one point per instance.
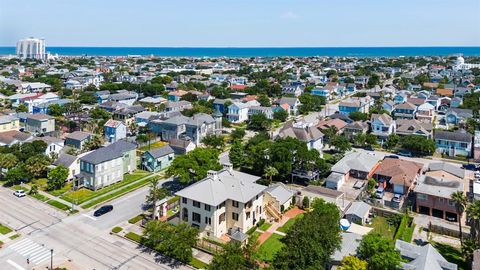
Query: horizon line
(255, 47)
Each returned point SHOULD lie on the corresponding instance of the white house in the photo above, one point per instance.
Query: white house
(226, 202)
(238, 112)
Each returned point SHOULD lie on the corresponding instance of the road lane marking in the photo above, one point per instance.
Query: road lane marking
(20, 242)
(14, 264)
(40, 258)
(90, 217)
(28, 249)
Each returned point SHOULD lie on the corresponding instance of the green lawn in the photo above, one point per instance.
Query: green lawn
(133, 236)
(15, 236)
(117, 229)
(381, 226)
(4, 229)
(40, 197)
(198, 264)
(116, 193)
(152, 146)
(265, 226)
(82, 195)
(289, 224)
(59, 205)
(58, 192)
(451, 254)
(269, 248)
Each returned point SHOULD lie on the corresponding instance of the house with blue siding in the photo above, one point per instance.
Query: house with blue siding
(455, 116)
(453, 144)
(114, 131)
(358, 104)
(78, 139)
(44, 107)
(405, 111)
(157, 159)
(323, 92)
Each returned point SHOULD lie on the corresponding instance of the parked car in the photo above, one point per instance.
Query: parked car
(470, 167)
(369, 148)
(405, 153)
(380, 192)
(19, 193)
(477, 174)
(103, 210)
(397, 198)
(392, 156)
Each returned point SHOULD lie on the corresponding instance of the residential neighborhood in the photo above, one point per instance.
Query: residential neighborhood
(232, 154)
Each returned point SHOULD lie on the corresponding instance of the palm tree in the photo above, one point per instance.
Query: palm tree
(155, 194)
(460, 201)
(270, 172)
(8, 161)
(473, 213)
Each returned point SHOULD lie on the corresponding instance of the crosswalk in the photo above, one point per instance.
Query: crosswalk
(32, 251)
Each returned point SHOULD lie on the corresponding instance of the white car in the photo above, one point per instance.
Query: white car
(19, 193)
(477, 174)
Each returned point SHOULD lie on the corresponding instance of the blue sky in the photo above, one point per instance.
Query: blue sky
(242, 23)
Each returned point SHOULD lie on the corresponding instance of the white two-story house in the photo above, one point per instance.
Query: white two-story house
(225, 203)
(382, 126)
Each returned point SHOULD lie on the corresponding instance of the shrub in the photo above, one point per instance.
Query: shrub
(134, 237)
(306, 202)
(135, 219)
(117, 229)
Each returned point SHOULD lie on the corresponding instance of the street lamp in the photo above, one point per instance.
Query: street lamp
(51, 259)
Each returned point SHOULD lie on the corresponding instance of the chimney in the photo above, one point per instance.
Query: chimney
(228, 166)
(212, 174)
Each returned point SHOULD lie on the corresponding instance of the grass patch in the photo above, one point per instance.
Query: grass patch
(82, 195)
(116, 194)
(289, 224)
(58, 192)
(4, 229)
(198, 264)
(135, 219)
(269, 248)
(327, 156)
(152, 146)
(117, 229)
(380, 225)
(40, 197)
(15, 236)
(408, 233)
(59, 205)
(451, 254)
(134, 237)
(265, 226)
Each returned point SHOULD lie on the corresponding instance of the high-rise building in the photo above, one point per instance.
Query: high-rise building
(33, 48)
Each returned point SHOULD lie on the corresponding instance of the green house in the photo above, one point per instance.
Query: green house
(157, 159)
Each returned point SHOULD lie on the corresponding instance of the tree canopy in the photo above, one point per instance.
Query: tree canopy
(379, 252)
(194, 165)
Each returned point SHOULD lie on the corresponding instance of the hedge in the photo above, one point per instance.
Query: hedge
(117, 229)
(134, 237)
(135, 219)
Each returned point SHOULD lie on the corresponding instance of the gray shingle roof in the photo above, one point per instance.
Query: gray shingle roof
(65, 159)
(359, 209)
(363, 162)
(279, 192)
(232, 185)
(437, 187)
(453, 136)
(422, 257)
(161, 151)
(113, 151)
(442, 166)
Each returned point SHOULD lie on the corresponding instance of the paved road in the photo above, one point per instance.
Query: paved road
(83, 239)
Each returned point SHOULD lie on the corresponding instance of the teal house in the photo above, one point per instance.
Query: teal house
(157, 159)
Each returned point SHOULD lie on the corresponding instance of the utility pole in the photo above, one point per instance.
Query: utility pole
(51, 259)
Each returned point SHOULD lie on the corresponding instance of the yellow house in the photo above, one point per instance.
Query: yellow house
(8, 123)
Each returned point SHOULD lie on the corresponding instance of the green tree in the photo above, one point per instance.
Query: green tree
(238, 134)
(392, 141)
(16, 174)
(259, 122)
(270, 172)
(379, 252)
(280, 115)
(86, 97)
(311, 242)
(21, 108)
(33, 190)
(155, 193)
(99, 113)
(72, 107)
(370, 139)
(460, 201)
(237, 154)
(175, 241)
(360, 139)
(358, 116)
(194, 165)
(473, 214)
(94, 143)
(56, 110)
(57, 177)
(418, 144)
(264, 101)
(341, 144)
(214, 141)
(231, 257)
(310, 103)
(8, 161)
(37, 165)
(352, 263)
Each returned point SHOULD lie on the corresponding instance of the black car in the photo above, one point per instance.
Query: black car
(470, 167)
(103, 210)
(392, 156)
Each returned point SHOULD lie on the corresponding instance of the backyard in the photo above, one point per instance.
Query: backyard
(266, 252)
(289, 223)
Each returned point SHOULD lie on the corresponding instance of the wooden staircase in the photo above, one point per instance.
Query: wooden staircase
(273, 212)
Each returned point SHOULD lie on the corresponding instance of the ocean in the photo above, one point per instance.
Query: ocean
(259, 52)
